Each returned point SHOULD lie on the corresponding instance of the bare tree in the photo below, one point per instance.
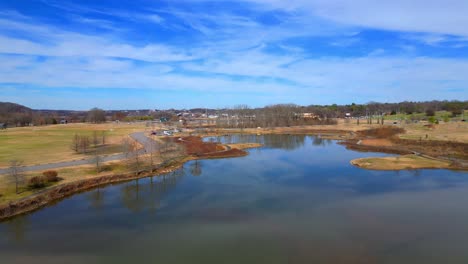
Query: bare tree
(126, 147)
(103, 136)
(84, 144)
(97, 160)
(80, 144)
(132, 154)
(136, 159)
(95, 138)
(16, 173)
(96, 115)
(75, 146)
(152, 149)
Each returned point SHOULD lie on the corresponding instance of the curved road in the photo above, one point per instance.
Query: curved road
(138, 136)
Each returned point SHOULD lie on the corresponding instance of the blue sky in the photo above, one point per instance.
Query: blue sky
(212, 53)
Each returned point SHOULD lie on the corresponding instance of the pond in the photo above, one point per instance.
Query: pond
(295, 200)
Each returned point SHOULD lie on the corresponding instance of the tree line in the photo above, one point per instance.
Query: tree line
(242, 116)
(272, 115)
(15, 115)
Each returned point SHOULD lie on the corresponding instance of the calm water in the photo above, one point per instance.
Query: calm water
(296, 200)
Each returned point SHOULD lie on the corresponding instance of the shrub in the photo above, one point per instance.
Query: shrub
(105, 168)
(430, 112)
(381, 132)
(456, 112)
(37, 182)
(51, 176)
(432, 120)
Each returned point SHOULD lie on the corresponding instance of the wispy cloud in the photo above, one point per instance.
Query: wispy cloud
(261, 51)
(433, 16)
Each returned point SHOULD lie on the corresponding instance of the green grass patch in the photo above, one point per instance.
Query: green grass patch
(37, 145)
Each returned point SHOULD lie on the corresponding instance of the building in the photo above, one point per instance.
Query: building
(308, 115)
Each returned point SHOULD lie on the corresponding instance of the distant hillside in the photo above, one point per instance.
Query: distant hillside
(11, 108)
(12, 113)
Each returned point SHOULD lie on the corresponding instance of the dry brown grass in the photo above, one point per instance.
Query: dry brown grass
(244, 145)
(378, 142)
(452, 131)
(401, 163)
(381, 132)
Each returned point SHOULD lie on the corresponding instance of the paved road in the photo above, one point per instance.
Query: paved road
(141, 138)
(138, 136)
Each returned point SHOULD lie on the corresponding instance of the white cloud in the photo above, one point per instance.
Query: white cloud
(345, 42)
(155, 18)
(98, 23)
(56, 42)
(233, 54)
(430, 16)
(381, 78)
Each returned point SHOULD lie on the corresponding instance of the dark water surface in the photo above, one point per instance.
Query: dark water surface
(296, 200)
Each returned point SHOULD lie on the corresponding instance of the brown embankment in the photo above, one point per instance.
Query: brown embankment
(380, 132)
(53, 194)
(353, 145)
(385, 139)
(195, 147)
(435, 148)
(376, 140)
(230, 153)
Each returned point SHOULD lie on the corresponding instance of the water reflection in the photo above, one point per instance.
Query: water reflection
(17, 228)
(96, 199)
(286, 142)
(137, 197)
(319, 141)
(195, 168)
(304, 205)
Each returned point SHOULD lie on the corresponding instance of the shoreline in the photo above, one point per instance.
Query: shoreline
(349, 138)
(56, 193)
(404, 162)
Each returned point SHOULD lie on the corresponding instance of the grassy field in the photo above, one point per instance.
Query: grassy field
(439, 115)
(36, 145)
(451, 131)
(7, 184)
(400, 163)
(456, 131)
